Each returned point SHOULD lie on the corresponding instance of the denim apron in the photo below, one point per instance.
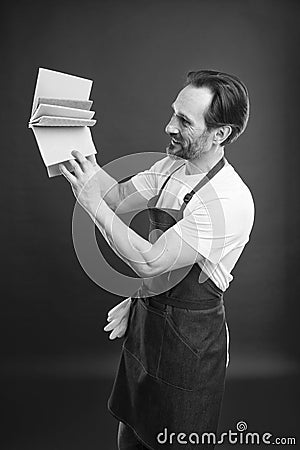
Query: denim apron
(171, 373)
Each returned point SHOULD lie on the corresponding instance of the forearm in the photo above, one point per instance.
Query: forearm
(167, 253)
(109, 189)
(134, 250)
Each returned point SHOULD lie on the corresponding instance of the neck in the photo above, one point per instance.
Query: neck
(205, 162)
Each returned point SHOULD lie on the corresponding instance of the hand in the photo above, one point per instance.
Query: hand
(84, 180)
(118, 319)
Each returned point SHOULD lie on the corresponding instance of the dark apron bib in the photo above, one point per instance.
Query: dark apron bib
(171, 373)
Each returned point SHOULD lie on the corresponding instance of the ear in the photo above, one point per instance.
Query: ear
(221, 134)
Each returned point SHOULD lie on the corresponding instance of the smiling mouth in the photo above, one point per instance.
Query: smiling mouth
(174, 142)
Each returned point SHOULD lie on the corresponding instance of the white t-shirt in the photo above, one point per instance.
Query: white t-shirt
(216, 222)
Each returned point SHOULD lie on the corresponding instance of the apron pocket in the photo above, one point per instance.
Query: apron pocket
(145, 336)
(193, 348)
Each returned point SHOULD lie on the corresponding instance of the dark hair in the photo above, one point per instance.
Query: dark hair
(230, 103)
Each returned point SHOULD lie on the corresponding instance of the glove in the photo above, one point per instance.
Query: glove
(118, 319)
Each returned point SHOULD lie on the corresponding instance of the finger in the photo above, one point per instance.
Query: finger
(117, 332)
(67, 174)
(76, 167)
(120, 318)
(119, 335)
(121, 325)
(113, 335)
(117, 316)
(111, 325)
(120, 330)
(92, 159)
(80, 158)
(119, 312)
(115, 323)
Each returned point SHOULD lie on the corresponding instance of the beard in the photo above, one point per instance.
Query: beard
(190, 149)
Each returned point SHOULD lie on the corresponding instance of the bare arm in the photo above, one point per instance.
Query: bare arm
(120, 197)
(147, 260)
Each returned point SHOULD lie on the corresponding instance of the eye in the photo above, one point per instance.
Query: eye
(184, 122)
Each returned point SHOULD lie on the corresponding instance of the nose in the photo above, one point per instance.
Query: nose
(172, 127)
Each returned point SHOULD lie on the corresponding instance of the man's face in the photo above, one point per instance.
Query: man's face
(187, 130)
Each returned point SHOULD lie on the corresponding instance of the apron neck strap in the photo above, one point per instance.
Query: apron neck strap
(161, 189)
(216, 168)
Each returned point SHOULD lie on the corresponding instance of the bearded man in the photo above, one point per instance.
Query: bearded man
(170, 381)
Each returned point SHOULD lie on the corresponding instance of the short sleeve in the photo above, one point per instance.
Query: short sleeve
(206, 229)
(149, 181)
(146, 183)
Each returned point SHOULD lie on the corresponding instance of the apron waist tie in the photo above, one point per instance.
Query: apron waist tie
(161, 302)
